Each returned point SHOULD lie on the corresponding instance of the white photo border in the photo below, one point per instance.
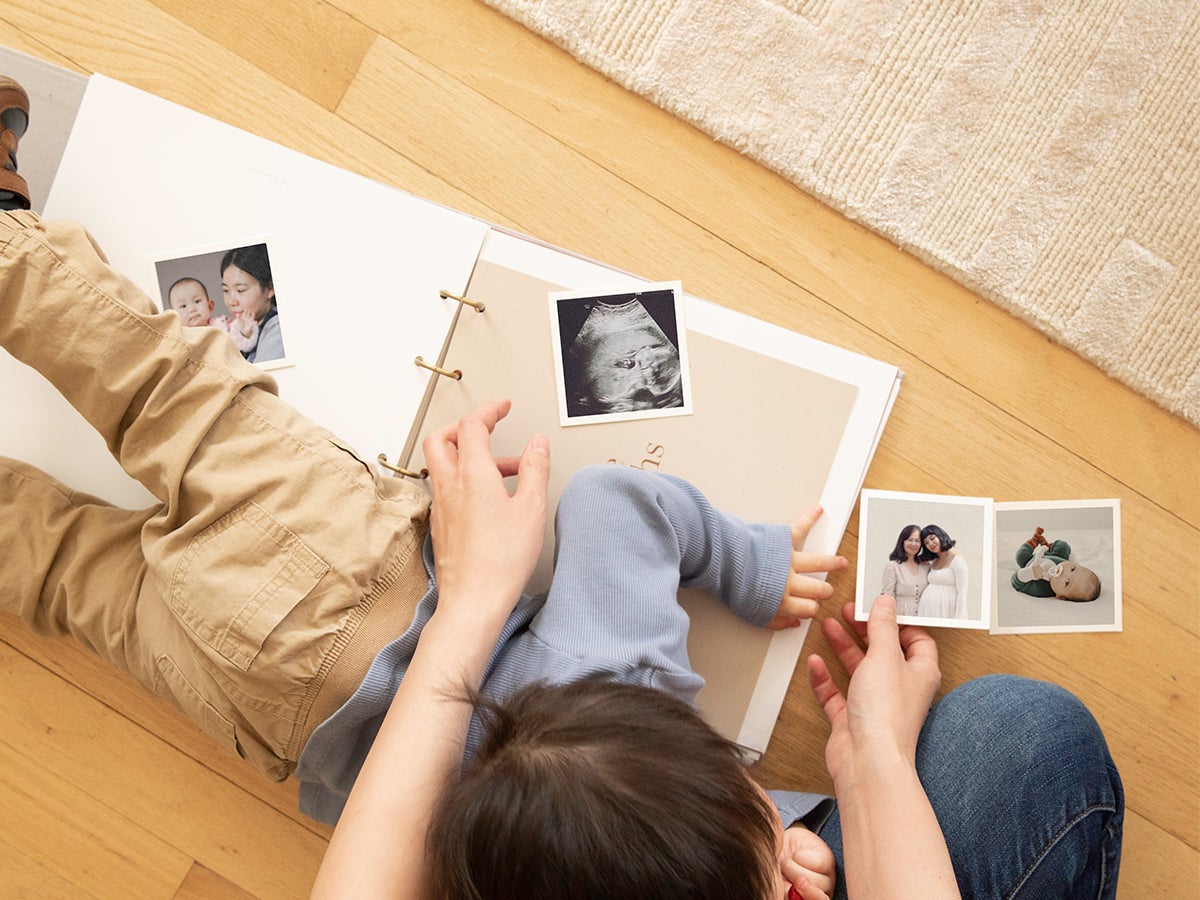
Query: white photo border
(1110, 578)
(871, 538)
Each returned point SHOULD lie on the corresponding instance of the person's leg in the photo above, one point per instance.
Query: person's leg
(1024, 788)
(273, 539)
(150, 388)
(1061, 549)
(58, 545)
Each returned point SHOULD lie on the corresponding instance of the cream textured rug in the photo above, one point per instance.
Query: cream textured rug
(1046, 154)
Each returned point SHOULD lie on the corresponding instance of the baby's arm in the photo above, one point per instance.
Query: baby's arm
(244, 331)
(1035, 569)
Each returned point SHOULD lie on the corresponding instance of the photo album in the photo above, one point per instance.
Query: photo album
(383, 316)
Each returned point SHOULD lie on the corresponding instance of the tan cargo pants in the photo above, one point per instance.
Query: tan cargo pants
(256, 592)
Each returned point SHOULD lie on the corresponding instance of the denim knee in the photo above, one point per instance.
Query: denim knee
(1021, 779)
(1008, 723)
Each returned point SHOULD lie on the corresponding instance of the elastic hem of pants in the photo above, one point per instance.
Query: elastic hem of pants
(383, 615)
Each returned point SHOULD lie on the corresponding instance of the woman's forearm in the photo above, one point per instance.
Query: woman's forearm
(378, 847)
(892, 842)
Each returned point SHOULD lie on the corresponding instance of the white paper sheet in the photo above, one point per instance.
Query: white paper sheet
(357, 269)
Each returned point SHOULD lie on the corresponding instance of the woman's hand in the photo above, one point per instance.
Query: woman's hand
(884, 811)
(892, 685)
(486, 541)
(803, 595)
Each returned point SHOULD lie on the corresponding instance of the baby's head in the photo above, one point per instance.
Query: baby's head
(1075, 583)
(189, 298)
(603, 790)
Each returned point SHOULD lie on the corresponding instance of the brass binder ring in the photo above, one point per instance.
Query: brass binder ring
(400, 470)
(446, 295)
(456, 374)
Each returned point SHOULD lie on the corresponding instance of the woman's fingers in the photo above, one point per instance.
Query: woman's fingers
(824, 688)
(533, 470)
(848, 652)
(444, 448)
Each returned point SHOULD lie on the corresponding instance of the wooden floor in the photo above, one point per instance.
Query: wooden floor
(104, 793)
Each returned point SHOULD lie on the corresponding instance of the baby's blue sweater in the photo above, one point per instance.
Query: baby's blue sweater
(626, 541)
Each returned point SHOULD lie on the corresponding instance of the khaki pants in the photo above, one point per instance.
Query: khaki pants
(256, 592)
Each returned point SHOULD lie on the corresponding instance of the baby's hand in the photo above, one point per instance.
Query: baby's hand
(245, 324)
(807, 864)
(802, 596)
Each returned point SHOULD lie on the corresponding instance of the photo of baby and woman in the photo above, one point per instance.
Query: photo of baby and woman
(231, 288)
(968, 562)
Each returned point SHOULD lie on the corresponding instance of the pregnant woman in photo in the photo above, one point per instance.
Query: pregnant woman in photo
(945, 595)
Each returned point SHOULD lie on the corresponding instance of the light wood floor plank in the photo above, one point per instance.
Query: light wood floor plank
(313, 48)
(81, 839)
(96, 771)
(24, 876)
(205, 884)
(832, 258)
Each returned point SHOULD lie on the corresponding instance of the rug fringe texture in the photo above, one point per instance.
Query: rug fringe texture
(1044, 154)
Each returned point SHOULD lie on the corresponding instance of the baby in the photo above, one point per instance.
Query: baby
(190, 299)
(1047, 570)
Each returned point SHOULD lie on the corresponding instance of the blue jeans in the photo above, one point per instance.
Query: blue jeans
(1025, 791)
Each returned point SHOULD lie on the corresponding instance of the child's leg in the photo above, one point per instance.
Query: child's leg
(1018, 821)
(273, 540)
(61, 551)
(1024, 555)
(1061, 549)
(151, 391)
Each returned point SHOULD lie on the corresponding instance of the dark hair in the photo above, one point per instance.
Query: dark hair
(253, 261)
(946, 541)
(178, 281)
(898, 553)
(601, 791)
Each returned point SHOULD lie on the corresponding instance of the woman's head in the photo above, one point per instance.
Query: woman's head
(908, 544)
(602, 790)
(246, 281)
(934, 542)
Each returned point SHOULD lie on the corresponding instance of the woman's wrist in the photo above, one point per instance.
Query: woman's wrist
(467, 626)
(874, 765)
